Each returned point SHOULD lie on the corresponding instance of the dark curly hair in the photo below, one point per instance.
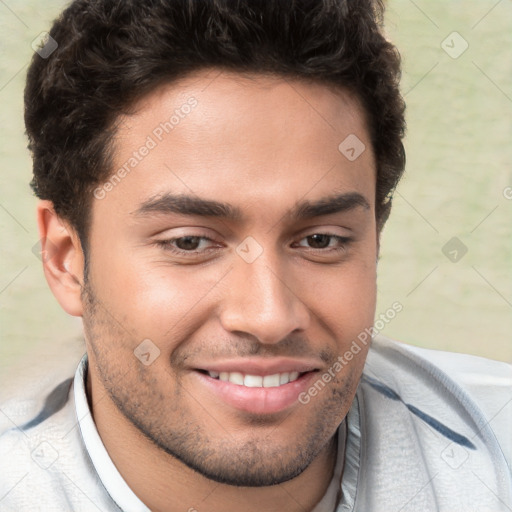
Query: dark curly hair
(112, 52)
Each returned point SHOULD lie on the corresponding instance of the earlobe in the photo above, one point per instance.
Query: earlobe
(62, 256)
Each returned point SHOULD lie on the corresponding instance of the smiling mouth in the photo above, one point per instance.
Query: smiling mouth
(255, 390)
(255, 381)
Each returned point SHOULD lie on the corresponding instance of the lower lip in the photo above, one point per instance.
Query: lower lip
(257, 400)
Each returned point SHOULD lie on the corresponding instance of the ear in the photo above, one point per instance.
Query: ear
(62, 256)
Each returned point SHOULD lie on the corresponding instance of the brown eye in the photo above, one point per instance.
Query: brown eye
(325, 242)
(319, 241)
(188, 243)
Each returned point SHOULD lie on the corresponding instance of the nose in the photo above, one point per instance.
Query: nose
(260, 300)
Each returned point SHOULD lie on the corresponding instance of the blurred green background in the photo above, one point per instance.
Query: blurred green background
(457, 83)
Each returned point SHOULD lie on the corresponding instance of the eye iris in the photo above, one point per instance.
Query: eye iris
(319, 241)
(188, 243)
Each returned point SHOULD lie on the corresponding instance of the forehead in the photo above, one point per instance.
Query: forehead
(252, 140)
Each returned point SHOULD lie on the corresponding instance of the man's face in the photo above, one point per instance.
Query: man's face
(277, 279)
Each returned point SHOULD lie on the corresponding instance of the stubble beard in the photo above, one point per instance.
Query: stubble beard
(253, 462)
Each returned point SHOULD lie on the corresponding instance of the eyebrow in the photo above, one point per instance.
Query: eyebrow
(192, 205)
(332, 204)
(188, 205)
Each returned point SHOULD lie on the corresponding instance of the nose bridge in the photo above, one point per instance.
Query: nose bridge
(260, 302)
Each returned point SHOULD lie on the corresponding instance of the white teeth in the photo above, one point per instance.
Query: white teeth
(284, 378)
(253, 381)
(256, 381)
(271, 381)
(236, 378)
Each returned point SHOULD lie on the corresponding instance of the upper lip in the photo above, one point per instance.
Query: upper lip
(261, 366)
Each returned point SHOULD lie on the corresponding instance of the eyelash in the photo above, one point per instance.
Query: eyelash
(167, 244)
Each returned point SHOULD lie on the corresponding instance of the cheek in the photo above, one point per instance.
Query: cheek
(344, 300)
(152, 298)
(361, 292)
